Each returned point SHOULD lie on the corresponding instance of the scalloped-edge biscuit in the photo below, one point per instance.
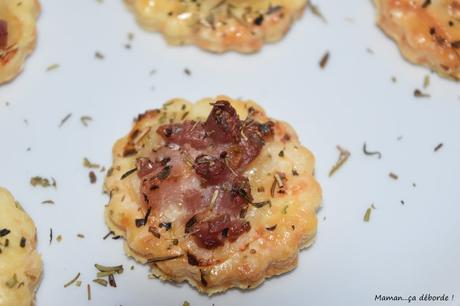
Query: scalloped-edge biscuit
(427, 32)
(219, 25)
(277, 231)
(20, 264)
(17, 35)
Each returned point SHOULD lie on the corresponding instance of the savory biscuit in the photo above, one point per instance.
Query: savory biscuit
(428, 32)
(203, 196)
(20, 264)
(17, 35)
(219, 25)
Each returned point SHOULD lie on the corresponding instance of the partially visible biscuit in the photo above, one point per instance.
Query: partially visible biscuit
(427, 32)
(20, 264)
(213, 193)
(219, 25)
(17, 35)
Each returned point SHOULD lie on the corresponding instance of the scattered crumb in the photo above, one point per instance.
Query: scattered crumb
(99, 55)
(92, 177)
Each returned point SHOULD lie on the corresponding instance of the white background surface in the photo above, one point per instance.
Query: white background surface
(408, 249)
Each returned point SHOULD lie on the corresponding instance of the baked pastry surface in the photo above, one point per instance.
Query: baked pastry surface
(227, 211)
(427, 32)
(20, 264)
(219, 25)
(17, 35)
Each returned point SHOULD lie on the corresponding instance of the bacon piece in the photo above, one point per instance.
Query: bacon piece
(190, 132)
(223, 124)
(254, 140)
(3, 34)
(213, 170)
(145, 166)
(199, 172)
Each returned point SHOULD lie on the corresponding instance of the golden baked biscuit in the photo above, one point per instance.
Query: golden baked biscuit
(20, 264)
(219, 25)
(17, 35)
(213, 193)
(427, 32)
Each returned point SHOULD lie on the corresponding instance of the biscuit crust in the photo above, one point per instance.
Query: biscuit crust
(17, 35)
(277, 232)
(20, 264)
(427, 32)
(219, 25)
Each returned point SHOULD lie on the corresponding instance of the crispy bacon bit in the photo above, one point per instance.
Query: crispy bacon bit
(223, 123)
(200, 171)
(3, 34)
(212, 170)
(145, 166)
(190, 132)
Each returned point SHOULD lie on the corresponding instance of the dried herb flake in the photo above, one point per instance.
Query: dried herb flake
(367, 215)
(163, 258)
(370, 153)
(73, 280)
(343, 157)
(438, 147)
(85, 120)
(64, 120)
(316, 11)
(324, 60)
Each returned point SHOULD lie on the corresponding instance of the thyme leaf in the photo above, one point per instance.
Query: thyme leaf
(43, 182)
(163, 258)
(316, 11)
(343, 157)
(367, 215)
(370, 153)
(426, 81)
(88, 291)
(52, 67)
(100, 281)
(4, 232)
(419, 94)
(64, 120)
(438, 147)
(128, 173)
(85, 120)
(73, 280)
(114, 269)
(88, 164)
